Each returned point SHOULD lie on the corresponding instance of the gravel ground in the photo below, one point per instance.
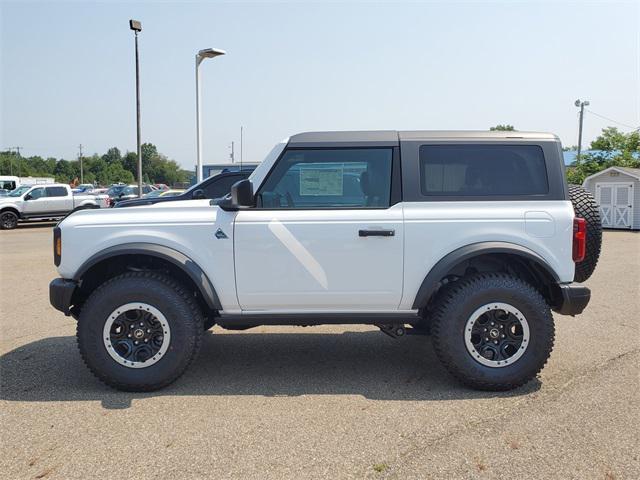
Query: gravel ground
(321, 402)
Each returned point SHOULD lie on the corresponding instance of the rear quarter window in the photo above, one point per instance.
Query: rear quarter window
(56, 192)
(482, 170)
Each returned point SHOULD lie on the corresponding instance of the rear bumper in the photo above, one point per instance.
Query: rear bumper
(575, 298)
(60, 293)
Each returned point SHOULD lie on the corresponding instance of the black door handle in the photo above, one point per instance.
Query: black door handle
(376, 233)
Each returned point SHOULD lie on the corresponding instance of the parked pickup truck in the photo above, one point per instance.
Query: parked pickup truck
(471, 237)
(43, 202)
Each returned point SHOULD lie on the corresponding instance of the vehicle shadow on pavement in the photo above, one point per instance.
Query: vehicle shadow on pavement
(271, 364)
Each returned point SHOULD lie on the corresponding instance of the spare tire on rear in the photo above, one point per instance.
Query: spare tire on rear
(585, 206)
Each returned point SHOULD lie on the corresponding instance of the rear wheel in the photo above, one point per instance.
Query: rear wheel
(492, 331)
(8, 220)
(585, 206)
(139, 331)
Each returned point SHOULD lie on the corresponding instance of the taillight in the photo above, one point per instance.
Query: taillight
(57, 246)
(579, 239)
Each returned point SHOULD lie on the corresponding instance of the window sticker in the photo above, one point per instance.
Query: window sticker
(321, 180)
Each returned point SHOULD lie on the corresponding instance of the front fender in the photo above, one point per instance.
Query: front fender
(171, 255)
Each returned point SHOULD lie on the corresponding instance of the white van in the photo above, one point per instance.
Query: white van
(8, 182)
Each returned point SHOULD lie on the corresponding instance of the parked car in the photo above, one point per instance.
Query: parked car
(471, 237)
(44, 202)
(131, 192)
(211, 188)
(114, 190)
(83, 188)
(162, 193)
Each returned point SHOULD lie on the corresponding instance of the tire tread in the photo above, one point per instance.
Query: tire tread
(181, 291)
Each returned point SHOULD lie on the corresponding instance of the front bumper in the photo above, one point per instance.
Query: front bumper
(60, 293)
(575, 298)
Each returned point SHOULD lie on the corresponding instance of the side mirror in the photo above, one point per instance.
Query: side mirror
(241, 196)
(198, 194)
(28, 196)
(242, 193)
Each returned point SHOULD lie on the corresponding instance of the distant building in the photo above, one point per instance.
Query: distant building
(617, 191)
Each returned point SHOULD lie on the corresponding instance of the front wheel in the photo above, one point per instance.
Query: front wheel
(492, 331)
(139, 331)
(8, 220)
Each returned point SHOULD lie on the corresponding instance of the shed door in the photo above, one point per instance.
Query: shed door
(616, 204)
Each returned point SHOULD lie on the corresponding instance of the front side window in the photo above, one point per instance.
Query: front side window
(482, 170)
(329, 178)
(221, 186)
(37, 193)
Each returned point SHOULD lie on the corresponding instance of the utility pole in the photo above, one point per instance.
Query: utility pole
(136, 26)
(81, 169)
(232, 154)
(240, 147)
(581, 104)
(18, 159)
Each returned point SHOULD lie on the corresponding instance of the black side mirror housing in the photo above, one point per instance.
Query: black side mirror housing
(28, 196)
(242, 193)
(198, 194)
(241, 196)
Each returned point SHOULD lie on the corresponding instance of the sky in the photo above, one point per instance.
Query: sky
(67, 71)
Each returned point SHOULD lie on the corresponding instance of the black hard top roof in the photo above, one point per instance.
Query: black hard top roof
(392, 137)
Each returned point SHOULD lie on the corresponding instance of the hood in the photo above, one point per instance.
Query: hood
(187, 212)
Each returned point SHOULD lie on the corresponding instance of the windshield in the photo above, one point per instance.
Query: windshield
(19, 191)
(115, 190)
(130, 191)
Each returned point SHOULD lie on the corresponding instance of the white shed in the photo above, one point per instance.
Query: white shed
(617, 191)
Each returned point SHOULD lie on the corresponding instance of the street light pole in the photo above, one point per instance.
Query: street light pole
(581, 104)
(200, 56)
(136, 26)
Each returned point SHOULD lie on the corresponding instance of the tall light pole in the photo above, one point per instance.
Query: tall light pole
(200, 56)
(136, 26)
(581, 104)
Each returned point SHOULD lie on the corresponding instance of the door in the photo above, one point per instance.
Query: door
(37, 203)
(59, 200)
(327, 234)
(616, 204)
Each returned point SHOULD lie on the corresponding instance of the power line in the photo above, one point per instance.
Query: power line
(611, 120)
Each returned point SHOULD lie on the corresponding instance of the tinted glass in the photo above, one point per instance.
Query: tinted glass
(219, 187)
(482, 170)
(330, 178)
(56, 192)
(37, 193)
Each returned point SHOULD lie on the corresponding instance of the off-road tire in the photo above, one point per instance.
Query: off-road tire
(585, 206)
(457, 303)
(171, 299)
(8, 220)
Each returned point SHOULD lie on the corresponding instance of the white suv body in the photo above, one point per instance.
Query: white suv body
(345, 227)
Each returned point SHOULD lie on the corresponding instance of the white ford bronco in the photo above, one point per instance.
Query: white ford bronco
(471, 237)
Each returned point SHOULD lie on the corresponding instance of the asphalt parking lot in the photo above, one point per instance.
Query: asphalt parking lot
(321, 402)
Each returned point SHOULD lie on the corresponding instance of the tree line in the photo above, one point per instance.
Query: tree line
(612, 148)
(112, 167)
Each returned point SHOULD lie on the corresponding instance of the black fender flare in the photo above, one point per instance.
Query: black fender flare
(446, 263)
(169, 254)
